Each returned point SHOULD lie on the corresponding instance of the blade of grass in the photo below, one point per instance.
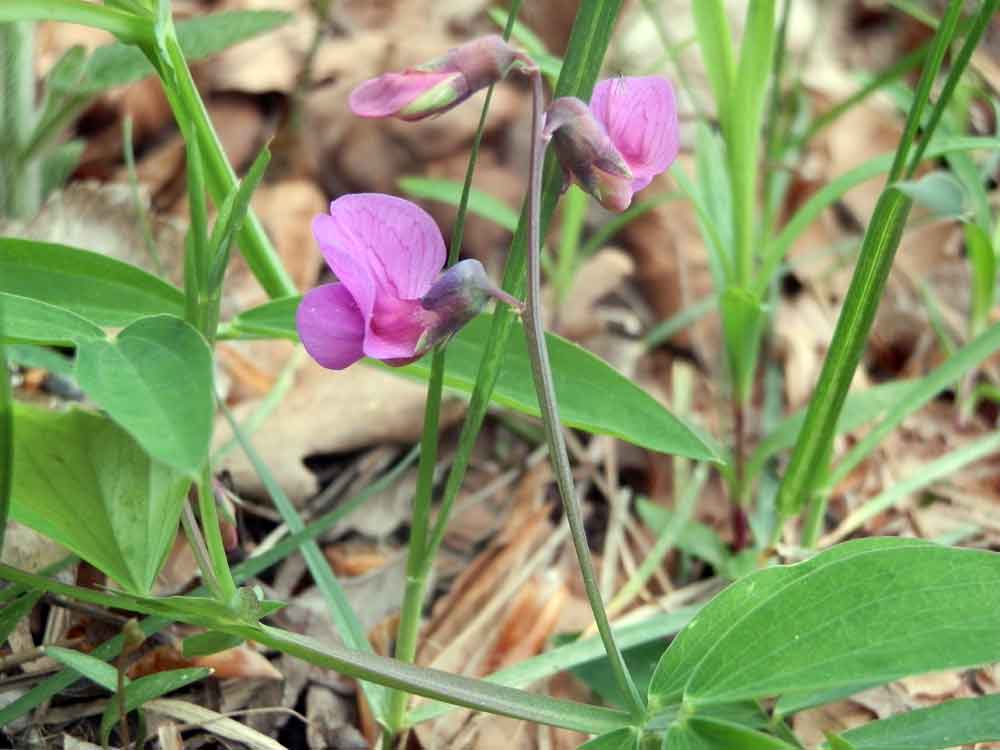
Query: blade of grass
(948, 373)
(6, 437)
(811, 454)
(716, 41)
(944, 466)
(127, 26)
(341, 612)
(450, 192)
(421, 553)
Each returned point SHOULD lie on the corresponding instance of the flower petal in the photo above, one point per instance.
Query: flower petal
(386, 95)
(395, 241)
(640, 115)
(331, 326)
(395, 329)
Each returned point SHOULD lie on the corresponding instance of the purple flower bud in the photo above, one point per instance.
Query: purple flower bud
(391, 301)
(617, 145)
(439, 85)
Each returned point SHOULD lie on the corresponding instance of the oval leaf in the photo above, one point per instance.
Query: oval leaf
(100, 289)
(872, 610)
(155, 379)
(70, 466)
(32, 321)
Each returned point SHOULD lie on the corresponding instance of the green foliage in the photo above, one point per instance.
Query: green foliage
(93, 669)
(449, 191)
(33, 321)
(14, 611)
(155, 379)
(74, 465)
(965, 721)
(147, 688)
(102, 290)
(867, 611)
(209, 642)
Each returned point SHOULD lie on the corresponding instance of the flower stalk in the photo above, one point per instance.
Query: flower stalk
(542, 373)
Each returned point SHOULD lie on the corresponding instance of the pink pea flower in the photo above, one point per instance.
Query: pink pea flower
(439, 85)
(616, 146)
(392, 302)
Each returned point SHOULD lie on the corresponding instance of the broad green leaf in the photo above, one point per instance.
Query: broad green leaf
(30, 320)
(624, 410)
(718, 733)
(871, 610)
(155, 379)
(90, 667)
(84, 482)
(966, 721)
(940, 192)
(209, 642)
(118, 64)
(106, 292)
(450, 192)
(146, 689)
(626, 738)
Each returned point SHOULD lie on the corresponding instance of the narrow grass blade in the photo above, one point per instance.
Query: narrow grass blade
(450, 192)
(346, 621)
(946, 465)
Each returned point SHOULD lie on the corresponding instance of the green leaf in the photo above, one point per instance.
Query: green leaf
(15, 611)
(695, 538)
(719, 733)
(119, 64)
(31, 321)
(155, 379)
(711, 24)
(84, 482)
(59, 164)
(100, 289)
(626, 738)
(207, 643)
(625, 410)
(743, 318)
(940, 192)
(872, 610)
(983, 261)
(860, 407)
(450, 192)
(90, 667)
(966, 721)
(6, 434)
(148, 688)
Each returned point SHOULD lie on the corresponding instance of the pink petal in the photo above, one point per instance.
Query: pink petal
(395, 329)
(386, 95)
(396, 242)
(331, 326)
(640, 115)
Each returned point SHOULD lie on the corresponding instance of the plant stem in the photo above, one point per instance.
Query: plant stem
(542, 373)
(213, 537)
(423, 547)
(21, 188)
(128, 26)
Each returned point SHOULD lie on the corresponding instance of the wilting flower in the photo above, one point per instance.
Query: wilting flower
(392, 301)
(616, 146)
(439, 85)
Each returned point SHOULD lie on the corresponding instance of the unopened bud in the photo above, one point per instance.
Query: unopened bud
(587, 153)
(439, 85)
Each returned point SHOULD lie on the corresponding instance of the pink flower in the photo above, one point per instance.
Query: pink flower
(391, 302)
(616, 146)
(439, 85)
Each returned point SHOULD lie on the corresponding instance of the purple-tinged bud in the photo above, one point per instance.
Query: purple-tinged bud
(587, 153)
(456, 297)
(439, 85)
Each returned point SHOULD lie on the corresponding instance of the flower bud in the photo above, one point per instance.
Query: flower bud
(456, 297)
(587, 153)
(439, 85)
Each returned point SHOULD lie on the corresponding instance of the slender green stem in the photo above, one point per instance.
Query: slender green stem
(259, 253)
(542, 372)
(213, 537)
(6, 438)
(422, 552)
(21, 189)
(197, 543)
